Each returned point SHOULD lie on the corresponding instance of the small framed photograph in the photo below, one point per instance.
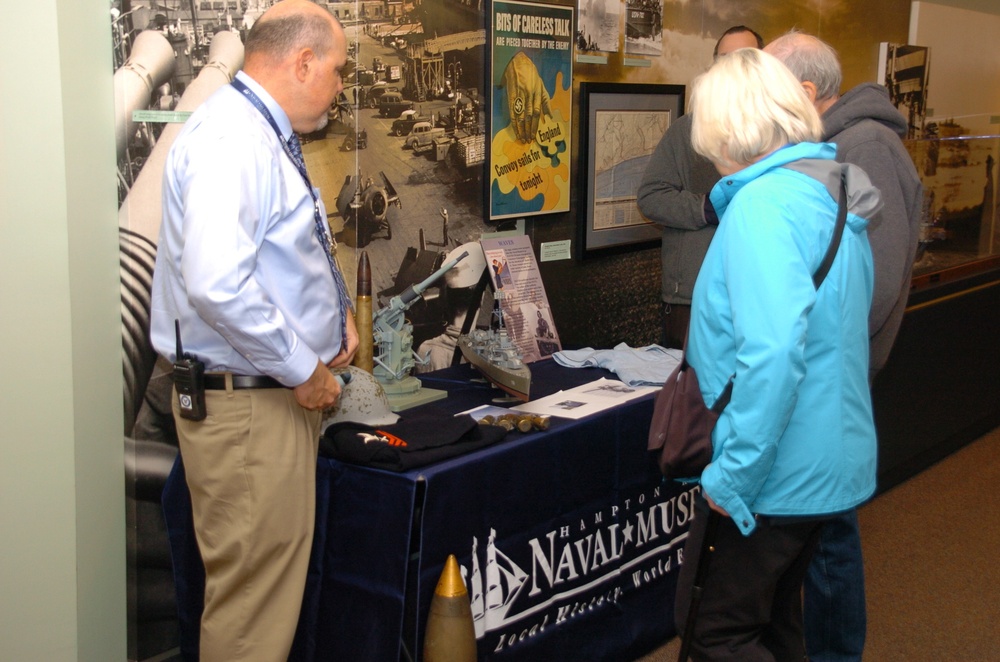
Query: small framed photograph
(621, 126)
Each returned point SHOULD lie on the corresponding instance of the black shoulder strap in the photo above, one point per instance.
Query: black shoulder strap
(838, 232)
(818, 278)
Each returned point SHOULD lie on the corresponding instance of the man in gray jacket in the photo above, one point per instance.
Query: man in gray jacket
(673, 194)
(867, 129)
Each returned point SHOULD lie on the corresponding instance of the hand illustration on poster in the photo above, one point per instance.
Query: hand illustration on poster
(532, 76)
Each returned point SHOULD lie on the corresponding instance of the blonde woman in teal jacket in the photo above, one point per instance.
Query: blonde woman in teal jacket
(796, 443)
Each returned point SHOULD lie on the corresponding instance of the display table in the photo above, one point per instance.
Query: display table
(568, 539)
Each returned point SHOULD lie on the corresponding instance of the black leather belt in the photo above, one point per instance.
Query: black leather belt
(217, 382)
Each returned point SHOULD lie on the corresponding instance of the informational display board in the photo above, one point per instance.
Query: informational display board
(518, 284)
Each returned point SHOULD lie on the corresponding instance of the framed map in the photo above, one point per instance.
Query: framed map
(624, 123)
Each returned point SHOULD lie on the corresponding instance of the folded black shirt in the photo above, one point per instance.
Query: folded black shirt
(418, 438)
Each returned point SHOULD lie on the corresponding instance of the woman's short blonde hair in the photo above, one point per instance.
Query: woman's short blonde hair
(748, 105)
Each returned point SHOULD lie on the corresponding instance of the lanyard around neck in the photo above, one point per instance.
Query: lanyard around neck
(326, 240)
(296, 159)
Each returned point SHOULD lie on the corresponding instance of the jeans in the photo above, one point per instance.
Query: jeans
(835, 619)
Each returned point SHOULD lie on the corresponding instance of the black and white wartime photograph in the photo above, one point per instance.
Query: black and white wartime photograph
(399, 167)
(598, 26)
(644, 27)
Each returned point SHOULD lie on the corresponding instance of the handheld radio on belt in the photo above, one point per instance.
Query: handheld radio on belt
(189, 379)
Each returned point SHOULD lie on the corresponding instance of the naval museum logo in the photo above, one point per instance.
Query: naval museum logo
(576, 568)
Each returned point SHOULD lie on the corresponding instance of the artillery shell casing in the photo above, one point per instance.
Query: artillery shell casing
(364, 358)
(540, 422)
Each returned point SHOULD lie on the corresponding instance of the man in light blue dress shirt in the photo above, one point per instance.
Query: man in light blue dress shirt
(243, 267)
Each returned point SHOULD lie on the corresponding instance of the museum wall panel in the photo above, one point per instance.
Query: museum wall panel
(407, 187)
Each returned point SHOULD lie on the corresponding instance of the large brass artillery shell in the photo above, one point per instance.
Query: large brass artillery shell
(450, 635)
(365, 356)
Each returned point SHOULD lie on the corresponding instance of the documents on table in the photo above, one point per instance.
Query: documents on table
(585, 400)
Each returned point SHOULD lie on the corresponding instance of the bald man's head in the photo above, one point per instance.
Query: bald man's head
(814, 63)
(296, 51)
(288, 26)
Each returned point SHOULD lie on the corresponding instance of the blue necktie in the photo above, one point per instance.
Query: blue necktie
(323, 234)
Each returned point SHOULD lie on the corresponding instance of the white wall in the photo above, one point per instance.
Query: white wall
(62, 576)
(965, 62)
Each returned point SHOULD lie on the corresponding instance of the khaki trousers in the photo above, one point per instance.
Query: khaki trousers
(251, 470)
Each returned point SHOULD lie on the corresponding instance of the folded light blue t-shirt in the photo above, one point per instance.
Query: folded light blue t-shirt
(642, 366)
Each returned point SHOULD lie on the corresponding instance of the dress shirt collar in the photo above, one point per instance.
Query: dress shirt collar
(276, 111)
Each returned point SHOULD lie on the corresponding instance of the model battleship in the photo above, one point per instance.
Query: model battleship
(493, 353)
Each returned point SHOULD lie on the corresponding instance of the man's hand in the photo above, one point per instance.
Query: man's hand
(320, 391)
(350, 346)
(527, 98)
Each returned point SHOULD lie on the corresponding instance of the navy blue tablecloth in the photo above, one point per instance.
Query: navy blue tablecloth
(569, 540)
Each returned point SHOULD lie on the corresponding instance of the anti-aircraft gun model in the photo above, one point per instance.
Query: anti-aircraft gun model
(394, 356)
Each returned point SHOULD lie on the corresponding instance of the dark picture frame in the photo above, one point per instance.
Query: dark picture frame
(621, 125)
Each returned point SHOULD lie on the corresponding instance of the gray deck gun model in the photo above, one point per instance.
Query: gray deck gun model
(394, 355)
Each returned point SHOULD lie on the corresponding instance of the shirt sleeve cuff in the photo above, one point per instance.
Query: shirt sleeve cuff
(711, 218)
(298, 368)
(728, 500)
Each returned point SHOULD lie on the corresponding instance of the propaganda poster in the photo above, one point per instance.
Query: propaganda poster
(532, 103)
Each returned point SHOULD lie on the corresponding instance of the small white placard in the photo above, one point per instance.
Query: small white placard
(162, 116)
(554, 250)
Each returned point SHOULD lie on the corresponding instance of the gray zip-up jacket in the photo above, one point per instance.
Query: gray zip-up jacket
(866, 128)
(672, 195)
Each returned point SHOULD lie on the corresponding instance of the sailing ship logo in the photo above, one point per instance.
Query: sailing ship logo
(504, 582)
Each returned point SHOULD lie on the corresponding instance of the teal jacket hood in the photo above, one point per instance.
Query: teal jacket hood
(816, 160)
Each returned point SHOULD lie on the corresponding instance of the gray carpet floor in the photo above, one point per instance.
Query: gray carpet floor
(932, 546)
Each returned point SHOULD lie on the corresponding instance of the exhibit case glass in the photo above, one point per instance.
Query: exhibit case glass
(959, 230)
